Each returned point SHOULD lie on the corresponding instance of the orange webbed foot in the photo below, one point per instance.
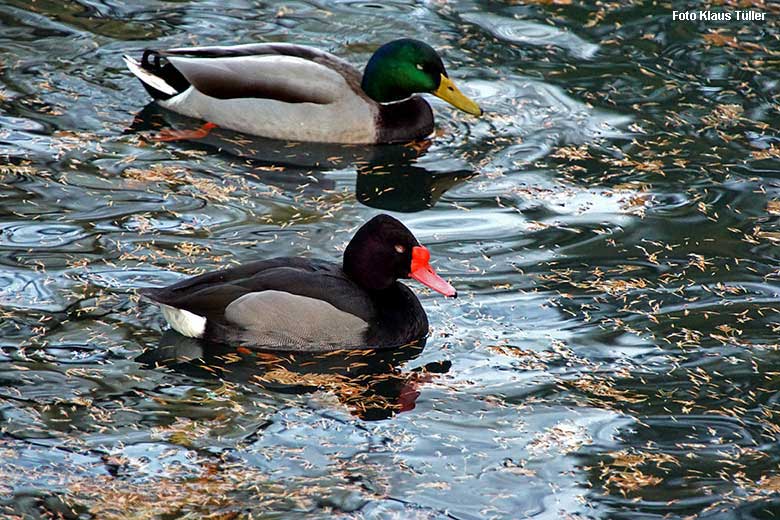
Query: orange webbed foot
(180, 135)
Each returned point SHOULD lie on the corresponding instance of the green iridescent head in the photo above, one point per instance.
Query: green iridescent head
(405, 67)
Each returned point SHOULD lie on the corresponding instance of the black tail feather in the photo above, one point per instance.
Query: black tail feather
(163, 70)
(151, 294)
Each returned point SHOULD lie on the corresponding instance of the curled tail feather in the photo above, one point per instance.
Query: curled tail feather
(159, 78)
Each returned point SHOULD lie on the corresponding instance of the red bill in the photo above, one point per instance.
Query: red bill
(424, 273)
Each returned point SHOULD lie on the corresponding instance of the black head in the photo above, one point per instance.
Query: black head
(384, 250)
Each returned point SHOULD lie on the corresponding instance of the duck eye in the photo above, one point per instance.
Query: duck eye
(400, 249)
(419, 66)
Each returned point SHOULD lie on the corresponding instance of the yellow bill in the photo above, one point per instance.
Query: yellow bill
(450, 93)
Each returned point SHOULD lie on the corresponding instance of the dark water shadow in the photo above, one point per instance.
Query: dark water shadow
(369, 382)
(389, 177)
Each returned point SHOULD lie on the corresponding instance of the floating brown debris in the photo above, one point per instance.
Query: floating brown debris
(572, 153)
(601, 386)
(623, 473)
(17, 169)
(214, 494)
(564, 437)
(179, 176)
(724, 116)
(629, 481)
(773, 152)
(540, 2)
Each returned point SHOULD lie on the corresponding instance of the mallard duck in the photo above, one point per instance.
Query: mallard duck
(298, 93)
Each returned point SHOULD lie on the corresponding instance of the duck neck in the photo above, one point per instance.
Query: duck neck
(405, 121)
(366, 279)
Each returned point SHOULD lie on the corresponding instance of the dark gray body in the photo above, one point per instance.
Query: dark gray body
(296, 304)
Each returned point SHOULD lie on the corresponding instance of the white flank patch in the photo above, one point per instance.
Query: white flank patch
(149, 78)
(184, 322)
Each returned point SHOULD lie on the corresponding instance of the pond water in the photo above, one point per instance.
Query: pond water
(611, 224)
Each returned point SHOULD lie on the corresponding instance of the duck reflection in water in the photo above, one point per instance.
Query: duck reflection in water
(389, 177)
(370, 383)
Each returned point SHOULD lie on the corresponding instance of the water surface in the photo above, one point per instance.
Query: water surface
(611, 225)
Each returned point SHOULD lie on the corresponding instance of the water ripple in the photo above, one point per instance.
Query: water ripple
(531, 33)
